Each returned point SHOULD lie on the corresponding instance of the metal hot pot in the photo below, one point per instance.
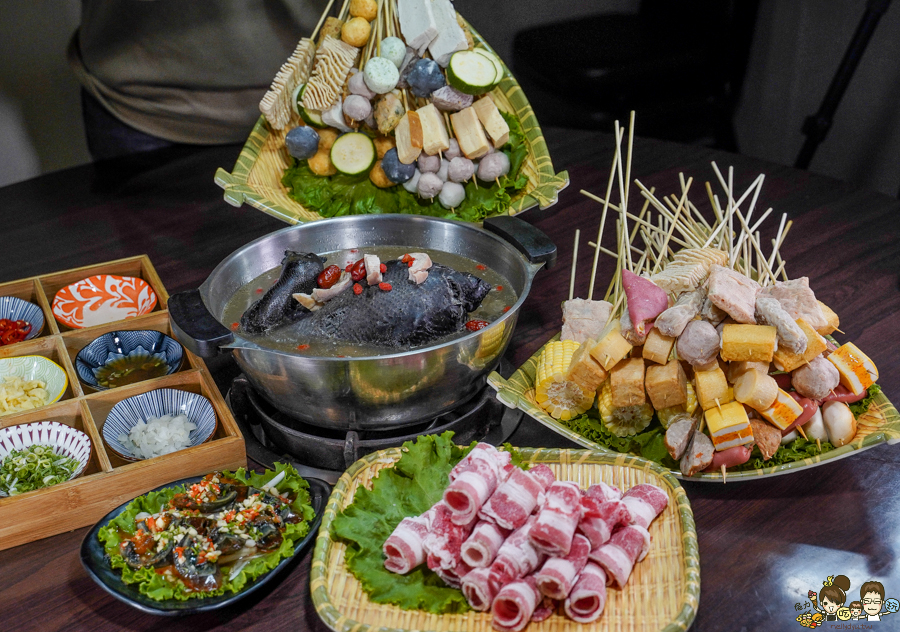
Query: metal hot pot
(376, 392)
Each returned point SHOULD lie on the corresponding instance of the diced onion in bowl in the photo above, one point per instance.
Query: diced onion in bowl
(158, 436)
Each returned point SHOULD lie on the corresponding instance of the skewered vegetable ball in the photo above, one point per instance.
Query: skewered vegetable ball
(302, 142)
(395, 170)
(461, 169)
(412, 185)
(388, 112)
(425, 78)
(356, 31)
(429, 185)
(383, 144)
(429, 164)
(381, 75)
(454, 151)
(493, 166)
(357, 85)
(452, 195)
(444, 168)
(394, 49)
(327, 138)
(357, 107)
(366, 9)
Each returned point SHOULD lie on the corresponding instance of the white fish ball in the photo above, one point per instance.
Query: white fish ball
(429, 164)
(412, 185)
(493, 166)
(393, 49)
(461, 169)
(357, 85)
(452, 194)
(454, 151)
(442, 171)
(429, 185)
(357, 107)
(381, 75)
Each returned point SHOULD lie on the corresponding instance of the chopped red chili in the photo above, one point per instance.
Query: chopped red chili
(328, 277)
(386, 287)
(259, 290)
(235, 326)
(357, 289)
(302, 347)
(506, 309)
(13, 331)
(499, 288)
(481, 267)
(475, 325)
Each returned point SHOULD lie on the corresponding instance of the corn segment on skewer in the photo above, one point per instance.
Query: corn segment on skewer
(623, 421)
(560, 397)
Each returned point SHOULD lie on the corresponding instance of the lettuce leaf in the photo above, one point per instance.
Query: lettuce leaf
(649, 444)
(157, 587)
(858, 408)
(338, 195)
(797, 450)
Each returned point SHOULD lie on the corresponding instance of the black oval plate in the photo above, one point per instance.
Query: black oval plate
(110, 580)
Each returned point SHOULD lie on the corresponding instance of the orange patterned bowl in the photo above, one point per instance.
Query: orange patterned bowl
(101, 299)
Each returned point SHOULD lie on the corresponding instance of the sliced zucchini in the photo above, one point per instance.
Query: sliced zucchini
(471, 72)
(310, 117)
(494, 60)
(353, 153)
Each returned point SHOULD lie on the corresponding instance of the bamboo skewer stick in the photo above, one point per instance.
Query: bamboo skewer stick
(321, 20)
(574, 261)
(623, 202)
(605, 209)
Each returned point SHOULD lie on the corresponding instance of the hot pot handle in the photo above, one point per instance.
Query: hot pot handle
(530, 241)
(195, 327)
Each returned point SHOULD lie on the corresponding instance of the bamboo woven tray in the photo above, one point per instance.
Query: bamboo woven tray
(108, 481)
(880, 424)
(662, 593)
(256, 177)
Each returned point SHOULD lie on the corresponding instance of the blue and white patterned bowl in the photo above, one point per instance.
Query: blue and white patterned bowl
(64, 440)
(133, 344)
(14, 308)
(154, 404)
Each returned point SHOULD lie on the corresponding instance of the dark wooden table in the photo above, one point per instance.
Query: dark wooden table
(763, 544)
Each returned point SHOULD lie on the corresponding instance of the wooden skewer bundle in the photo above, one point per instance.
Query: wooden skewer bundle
(678, 223)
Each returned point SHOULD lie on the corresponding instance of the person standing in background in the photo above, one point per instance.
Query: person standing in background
(156, 73)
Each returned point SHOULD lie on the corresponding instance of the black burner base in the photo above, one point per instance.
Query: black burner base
(271, 435)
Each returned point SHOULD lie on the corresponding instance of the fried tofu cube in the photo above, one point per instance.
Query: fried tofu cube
(786, 360)
(658, 346)
(409, 137)
(469, 133)
(666, 384)
(434, 132)
(710, 386)
(748, 343)
(611, 346)
(833, 321)
(626, 381)
(584, 370)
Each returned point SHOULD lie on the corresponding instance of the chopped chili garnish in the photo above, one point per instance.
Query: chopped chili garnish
(354, 250)
(13, 331)
(383, 268)
(358, 271)
(259, 290)
(481, 267)
(506, 309)
(302, 347)
(328, 277)
(407, 259)
(357, 289)
(386, 287)
(235, 326)
(475, 325)
(499, 288)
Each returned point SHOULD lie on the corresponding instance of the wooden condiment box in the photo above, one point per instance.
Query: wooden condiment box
(108, 481)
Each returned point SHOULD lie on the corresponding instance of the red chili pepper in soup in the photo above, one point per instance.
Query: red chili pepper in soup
(476, 325)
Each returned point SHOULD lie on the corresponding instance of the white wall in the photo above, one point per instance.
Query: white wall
(798, 45)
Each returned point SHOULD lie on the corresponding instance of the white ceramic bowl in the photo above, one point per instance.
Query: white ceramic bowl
(64, 440)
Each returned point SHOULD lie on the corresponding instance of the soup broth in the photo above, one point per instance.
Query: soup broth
(494, 305)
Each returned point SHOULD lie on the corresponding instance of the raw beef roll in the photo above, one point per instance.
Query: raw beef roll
(444, 541)
(517, 557)
(514, 605)
(480, 588)
(587, 599)
(482, 546)
(403, 549)
(558, 574)
(452, 576)
(473, 480)
(515, 499)
(618, 556)
(600, 518)
(644, 503)
(557, 520)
